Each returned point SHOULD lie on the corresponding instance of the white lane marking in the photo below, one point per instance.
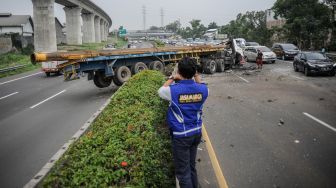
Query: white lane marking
(242, 78)
(19, 78)
(8, 95)
(298, 78)
(319, 121)
(47, 99)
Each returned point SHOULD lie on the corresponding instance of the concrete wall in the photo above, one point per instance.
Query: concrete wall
(28, 30)
(5, 44)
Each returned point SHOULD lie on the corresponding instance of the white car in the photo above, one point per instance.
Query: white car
(250, 53)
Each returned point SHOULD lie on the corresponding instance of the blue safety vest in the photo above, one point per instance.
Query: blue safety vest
(185, 109)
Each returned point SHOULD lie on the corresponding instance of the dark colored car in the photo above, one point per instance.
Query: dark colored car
(313, 62)
(285, 51)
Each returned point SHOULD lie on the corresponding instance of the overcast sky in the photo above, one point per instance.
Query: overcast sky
(129, 12)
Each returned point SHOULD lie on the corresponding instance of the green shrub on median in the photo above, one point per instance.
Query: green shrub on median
(127, 146)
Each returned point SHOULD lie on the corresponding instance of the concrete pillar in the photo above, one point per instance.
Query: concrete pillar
(102, 33)
(88, 28)
(107, 31)
(44, 26)
(97, 29)
(73, 25)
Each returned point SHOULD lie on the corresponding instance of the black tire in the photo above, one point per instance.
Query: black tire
(220, 67)
(101, 81)
(157, 65)
(121, 75)
(296, 69)
(306, 71)
(332, 73)
(210, 67)
(138, 67)
(47, 74)
(273, 61)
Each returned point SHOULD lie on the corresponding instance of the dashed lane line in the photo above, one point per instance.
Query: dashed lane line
(45, 100)
(320, 121)
(214, 161)
(241, 78)
(8, 95)
(2, 83)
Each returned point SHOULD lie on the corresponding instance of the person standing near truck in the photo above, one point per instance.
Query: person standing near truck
(259, 59)
(186, 95)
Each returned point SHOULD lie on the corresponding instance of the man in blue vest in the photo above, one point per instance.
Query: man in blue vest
(186, 95)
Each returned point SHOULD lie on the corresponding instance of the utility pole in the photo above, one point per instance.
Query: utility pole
(144, 16)
(162, 16)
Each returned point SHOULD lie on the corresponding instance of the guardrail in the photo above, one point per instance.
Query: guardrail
(12, 68)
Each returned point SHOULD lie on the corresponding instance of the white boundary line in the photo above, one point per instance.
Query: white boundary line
(48, 166)
(320, 121)
(241, 78)
(45, 100)
(8, 95)
(19, 78)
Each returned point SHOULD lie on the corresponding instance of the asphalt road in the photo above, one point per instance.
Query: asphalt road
(243, 116)
(38, 114)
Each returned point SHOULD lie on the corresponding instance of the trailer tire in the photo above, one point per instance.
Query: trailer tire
(101, 81)
(210, 67)
(47, 74)
(138, 67)
(220, 67)
(121, 75)
(156, 65)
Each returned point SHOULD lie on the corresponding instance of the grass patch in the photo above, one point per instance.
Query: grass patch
(127, 146)
(14, 59)
(119, 42)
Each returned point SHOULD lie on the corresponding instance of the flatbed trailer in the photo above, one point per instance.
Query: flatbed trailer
(118, 66)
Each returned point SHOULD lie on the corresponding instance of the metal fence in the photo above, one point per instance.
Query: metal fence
(12, 68)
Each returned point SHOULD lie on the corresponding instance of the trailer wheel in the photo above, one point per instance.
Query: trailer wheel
(47, 74)
(121, 75)
(210, 67)
(101, 81)
(138, 67)
(156, 65)
(220, 65)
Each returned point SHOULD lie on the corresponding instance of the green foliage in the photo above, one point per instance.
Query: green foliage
(251, 26)
(307, 21)
(130, 129)
(13, 59)
(213, 25)
(174, 27)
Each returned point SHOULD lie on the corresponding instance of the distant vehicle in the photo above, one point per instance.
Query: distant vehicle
(109, 47)
(313, 62)
(250, 54)
(252, 44)
(51, 67)
(285, 50)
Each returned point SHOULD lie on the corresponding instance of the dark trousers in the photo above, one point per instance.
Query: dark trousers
(184, 152)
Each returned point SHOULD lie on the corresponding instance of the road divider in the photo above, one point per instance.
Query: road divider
(6, 82)
(127, 145)
(8, 95)
(45, 100)
(319, 121)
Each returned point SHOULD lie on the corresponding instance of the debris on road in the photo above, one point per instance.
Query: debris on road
(296, 141)
(321, 99)
(281, 121)
(229, 97)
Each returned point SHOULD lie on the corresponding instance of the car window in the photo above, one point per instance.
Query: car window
(264, 49)
(315, 56)
(289, 47)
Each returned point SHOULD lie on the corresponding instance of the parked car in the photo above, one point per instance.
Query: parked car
(250, 53)
(285, 50)
(252, 44)
(313, 62)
